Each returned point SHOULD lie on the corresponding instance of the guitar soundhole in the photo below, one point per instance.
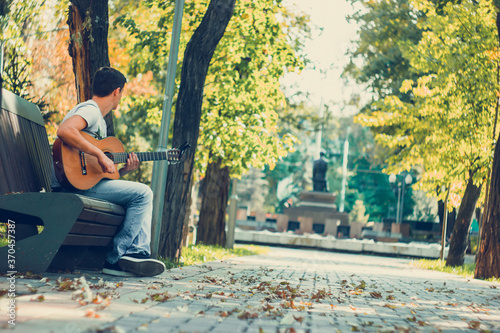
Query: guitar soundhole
(109, 155)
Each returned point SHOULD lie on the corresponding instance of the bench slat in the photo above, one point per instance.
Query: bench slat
(87, 240)
(24, 153)
(100, 217)
(93, 229)
(101, 205)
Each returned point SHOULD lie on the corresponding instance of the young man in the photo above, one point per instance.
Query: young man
(130, 255)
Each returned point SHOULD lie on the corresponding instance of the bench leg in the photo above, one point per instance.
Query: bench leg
(56, 211)
(70, 257)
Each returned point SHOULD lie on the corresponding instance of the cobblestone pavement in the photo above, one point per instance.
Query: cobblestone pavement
(286, 290)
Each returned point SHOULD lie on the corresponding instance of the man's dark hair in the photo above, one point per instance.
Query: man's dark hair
(106, 80)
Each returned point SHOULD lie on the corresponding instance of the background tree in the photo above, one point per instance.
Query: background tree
(452, 95)
(197, 57)
(488, 255)
(377, 61)
(462, 92)
(377, 58)
(239, 129)
(38, 64)
(88, 23)
(22, 22)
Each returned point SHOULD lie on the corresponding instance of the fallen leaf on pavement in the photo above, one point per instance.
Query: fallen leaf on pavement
(92, 314)
(39, 298)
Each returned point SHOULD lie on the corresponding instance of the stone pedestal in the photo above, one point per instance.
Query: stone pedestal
(401, 228)
(382, 226)
(356, 229)
(331, 227)
(260, 216)
(281, 222)
(318, 199)
(306, 225)
(320, 207)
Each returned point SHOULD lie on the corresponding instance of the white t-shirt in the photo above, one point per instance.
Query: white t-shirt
(89, 110)
(96, 126)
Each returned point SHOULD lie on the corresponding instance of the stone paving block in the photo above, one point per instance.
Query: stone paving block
(231, 325)
(391, 295)
(43, 326)
(170, 321)
(201, 324)
(170, 324)
(131, 323)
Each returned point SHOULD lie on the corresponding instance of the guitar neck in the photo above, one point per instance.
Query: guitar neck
(146, 156)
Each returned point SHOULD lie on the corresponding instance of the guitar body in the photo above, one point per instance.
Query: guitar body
(75, 170)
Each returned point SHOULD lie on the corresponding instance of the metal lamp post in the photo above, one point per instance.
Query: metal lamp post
(407, 181)
(160, 168)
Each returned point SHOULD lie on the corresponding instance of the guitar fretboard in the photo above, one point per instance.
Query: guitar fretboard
(170, 154)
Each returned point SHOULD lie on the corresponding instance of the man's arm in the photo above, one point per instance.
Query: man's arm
(69, 133)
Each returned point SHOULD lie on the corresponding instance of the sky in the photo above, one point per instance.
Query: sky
(327, 50)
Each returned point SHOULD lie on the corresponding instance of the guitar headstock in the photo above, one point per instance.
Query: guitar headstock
(175, 155)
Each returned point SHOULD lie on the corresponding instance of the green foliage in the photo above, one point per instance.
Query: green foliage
(242, 90)
(17, 65)
(447, 128)
(242, 97)
(377, 59)
(366, 181)
(136, 125)
(17, 72)
(22, 19)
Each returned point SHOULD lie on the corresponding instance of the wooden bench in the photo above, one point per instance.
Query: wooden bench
(77, 231)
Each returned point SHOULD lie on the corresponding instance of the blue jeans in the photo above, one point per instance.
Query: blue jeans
(134, 235)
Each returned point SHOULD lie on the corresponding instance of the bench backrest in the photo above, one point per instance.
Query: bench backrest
(25, 154)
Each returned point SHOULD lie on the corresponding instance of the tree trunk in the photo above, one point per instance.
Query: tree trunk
(185, 227)
(88, 47)
(488, 254)
(215, 194)
(197, 57)
(460, 235)
(450, 222)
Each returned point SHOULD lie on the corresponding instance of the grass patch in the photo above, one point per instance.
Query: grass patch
(466, 270)
(198, 254)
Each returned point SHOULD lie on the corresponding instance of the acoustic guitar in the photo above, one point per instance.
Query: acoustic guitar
(75, 169)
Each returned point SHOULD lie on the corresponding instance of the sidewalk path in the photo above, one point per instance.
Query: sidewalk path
(287, 290)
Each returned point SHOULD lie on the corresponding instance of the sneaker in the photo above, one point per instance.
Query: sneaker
(115, 270)
(141, 264)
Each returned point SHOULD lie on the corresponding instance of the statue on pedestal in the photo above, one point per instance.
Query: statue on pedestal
(320, 166)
